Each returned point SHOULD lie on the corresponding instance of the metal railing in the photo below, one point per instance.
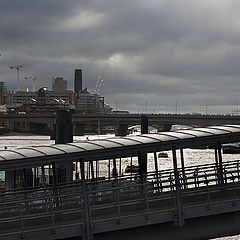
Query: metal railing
(24, 210)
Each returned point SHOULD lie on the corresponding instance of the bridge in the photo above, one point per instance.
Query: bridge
(122, 121)
(87, 202)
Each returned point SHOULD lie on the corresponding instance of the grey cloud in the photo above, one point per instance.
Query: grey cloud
(155, 51)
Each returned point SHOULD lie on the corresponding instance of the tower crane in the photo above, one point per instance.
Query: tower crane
(98, 85)
(18, 68)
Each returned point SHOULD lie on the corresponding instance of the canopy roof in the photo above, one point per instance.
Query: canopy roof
(117, 147)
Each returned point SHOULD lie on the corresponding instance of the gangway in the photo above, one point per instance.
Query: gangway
(91, 207)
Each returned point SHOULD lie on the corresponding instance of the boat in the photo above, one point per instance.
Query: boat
(131, 169)
(163, 155)
(231, 149)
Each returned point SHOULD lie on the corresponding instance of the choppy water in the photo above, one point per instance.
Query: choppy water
(191, 156)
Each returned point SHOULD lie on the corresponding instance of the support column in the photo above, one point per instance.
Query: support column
(55, 182)
(156, 163)
(115, 173)
(142, 157)
(53, 132)
(122, 130)
(216, 162)
(86, 209)
(179, 210)
(220, 166)
(156, 170)
(9, 179)
(64, 134)
(167, 127)
(142, 163)
(92, 169)
(216, 155)
(27, 177)
(144, 124)
(183, 167)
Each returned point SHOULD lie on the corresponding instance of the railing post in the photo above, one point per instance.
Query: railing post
(89, 234)
(180, 219)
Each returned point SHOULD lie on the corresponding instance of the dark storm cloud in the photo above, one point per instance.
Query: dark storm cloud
(159, 51)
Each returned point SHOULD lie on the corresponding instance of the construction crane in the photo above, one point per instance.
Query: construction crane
(18, 68)
(34, 79)
(98, 85)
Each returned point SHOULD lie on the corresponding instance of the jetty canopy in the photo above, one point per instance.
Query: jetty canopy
(117, 147)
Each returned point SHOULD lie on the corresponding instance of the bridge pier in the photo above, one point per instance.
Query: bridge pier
(53, 131)
(167, 127)
(64, 134)
(122, 130)
(142, 157)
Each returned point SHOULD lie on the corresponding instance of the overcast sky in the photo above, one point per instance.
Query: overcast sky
(153, 55)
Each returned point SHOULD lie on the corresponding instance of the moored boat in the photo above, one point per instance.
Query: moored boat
(163, 155)
(231, 149)
(132, 169)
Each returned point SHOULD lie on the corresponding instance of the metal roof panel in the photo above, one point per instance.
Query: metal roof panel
(11, 155)
(87, 146)
(48, 150)
(107, 143)
(29, 152)
(196, 133)
(143, 139)
(126, 141)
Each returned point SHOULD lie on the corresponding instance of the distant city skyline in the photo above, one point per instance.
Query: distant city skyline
(159, 51)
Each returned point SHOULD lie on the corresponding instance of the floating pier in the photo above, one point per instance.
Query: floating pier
(38, 202)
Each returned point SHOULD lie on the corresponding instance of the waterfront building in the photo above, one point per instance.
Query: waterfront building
(42, 103)
(59, 85)
(22, 97)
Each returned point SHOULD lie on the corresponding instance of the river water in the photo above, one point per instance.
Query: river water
(191, 156)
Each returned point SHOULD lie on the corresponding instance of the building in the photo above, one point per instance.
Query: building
(22, 97)
(3, 92)
(59, 85)
(78, 81)
(87, 103)
(41, 104)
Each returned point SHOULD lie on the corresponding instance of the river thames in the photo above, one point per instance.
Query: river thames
(192, 156)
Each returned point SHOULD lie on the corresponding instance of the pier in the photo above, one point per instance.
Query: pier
(42, 199)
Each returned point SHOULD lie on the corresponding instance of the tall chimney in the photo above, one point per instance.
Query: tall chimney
(78, 81)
